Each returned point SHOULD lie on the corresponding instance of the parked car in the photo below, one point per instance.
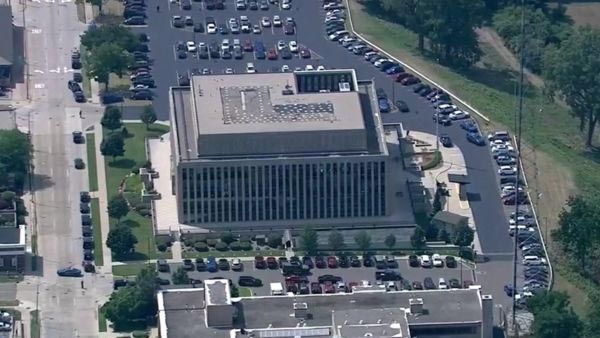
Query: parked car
(413, 261)
(429, 284)
(249, 281)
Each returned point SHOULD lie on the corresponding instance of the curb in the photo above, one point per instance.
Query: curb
(454, 96)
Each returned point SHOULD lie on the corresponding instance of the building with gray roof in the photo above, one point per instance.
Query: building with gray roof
(284, 149)
(456, 313)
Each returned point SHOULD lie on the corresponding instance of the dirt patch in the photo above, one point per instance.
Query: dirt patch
(585, 13)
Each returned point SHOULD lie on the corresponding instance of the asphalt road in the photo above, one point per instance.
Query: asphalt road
(67, 310)
(483, 190)
(348, 274)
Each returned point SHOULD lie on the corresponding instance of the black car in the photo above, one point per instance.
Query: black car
(329, 278)
(253, 5)
(446, 140)
(133, 12)
(88, 256)
(285, 54)
(79, 164)
(355, 262)
(249, 281)
(226, 55)
(188, 265)
(368, 261)
(87, 232)
(77, 77)
(86, 220)
(186, 5)
(391, 262)
(183, 80)
(450, 262)
(429, 284)
(402, 106)
(84, 197)
(223, 264)
(344, 262)
(238, 54)
(69, 272)
(143, 81)
(141, 95)
(222, 28)
(387, 275)
(79, 97)
(413, 261)
(76, 64)
(84, 208)
(78, 138)
(200, 264)
(189, 21)
(198, 27)
(135, 21)
(74, 86)
(454, 283)
(88, 243)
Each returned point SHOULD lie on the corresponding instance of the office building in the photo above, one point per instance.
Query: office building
(282, 149)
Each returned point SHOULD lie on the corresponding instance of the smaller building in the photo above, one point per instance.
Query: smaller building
(12, 248)
(449, 220)
(7, 45)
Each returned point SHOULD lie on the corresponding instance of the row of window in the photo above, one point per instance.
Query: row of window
(284, 192)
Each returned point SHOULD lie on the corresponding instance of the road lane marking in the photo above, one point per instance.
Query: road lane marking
(38, 71)
(39, 86)
(57, 70)
(36, 31)
(68, 70)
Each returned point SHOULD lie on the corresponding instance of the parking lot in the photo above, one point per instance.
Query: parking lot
(349, 274)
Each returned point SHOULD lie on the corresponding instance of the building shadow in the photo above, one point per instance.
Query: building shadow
(18, 67)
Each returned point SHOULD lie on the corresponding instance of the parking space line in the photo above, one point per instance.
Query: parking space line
(174, 52)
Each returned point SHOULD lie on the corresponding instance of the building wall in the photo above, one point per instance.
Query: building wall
(12, 262)
(282, 190)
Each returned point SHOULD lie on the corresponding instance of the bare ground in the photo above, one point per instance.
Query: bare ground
(585, 13)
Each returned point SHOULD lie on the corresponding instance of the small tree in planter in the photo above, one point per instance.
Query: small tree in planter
(220, 246)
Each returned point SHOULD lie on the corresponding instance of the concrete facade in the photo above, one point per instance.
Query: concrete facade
(278, 161)
(12, 248)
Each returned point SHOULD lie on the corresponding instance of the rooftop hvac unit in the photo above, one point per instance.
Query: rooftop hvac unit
(287, 92)
(416, 305)
(344, 86)
(300, 310)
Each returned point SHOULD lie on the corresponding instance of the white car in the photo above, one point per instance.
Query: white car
(281, 45)
(256, 29)
(521, 228)
(211, 28)
(519, 219)
(285, 68)
(244, 19)
(507, 170)
(250, 68)
(497, 143)
(246, 28)
(265, 22)
(438, 262)
(277, 20)
(334, 18)
(442, 284)
(309, 67)
(286, 4)
(293, 46)
(236, 42)
(425, 261)
(458, 115)
(446, 108)
(379, 62)
(337, 12)
(240, 4)
(502, 147)
(191, 46)
(533, 260)
(229, 71)
(225, 44)
(320, 67)
(236, 264)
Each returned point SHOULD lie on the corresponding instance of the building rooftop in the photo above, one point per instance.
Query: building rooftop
(6, 26)
(10, 235)
(354, 314)
(217, 292)
(273, 114)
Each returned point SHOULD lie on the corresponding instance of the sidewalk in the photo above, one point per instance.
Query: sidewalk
(103, 200)
(453, 163)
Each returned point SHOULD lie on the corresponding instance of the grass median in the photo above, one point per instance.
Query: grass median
(35, 324)
(102, 327)
(118, 170)
(91, 161)
(129, 269)
(98, 257)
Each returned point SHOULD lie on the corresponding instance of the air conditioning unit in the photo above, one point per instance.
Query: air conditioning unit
(344, 86)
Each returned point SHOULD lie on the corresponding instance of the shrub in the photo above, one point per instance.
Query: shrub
(221, 246)
(201, 246)
(189, 242)
(211, 242)
(8, 196)
(274, 240)
(145, 212)
(245, 238)
(147, 165)
(162, 247)
(21, 220)
(135, 170)
(246, 246)
(21, 210)
(227, 237)
(235, 246)
(139, 334)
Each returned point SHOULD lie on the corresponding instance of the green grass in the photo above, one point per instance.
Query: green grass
(245, 292)
(95, 208)
(86, 85)
(266, 253)
(101, 320)
(35, 324)
(10, 277)
(491, 91)
(9, 302)
(91, 161)
(129, 269)
(118, 170)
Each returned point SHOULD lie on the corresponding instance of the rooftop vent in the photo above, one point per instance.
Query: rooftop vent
(344, 86)
(416, 305)
(300, 310)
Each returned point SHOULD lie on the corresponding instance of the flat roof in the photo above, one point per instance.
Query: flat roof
(456, 306)
(217, 292)
(249, 114)
(10, 235)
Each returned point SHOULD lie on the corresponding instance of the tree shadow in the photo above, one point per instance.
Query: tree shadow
(40, 182)
(130, 223)
(122, 163)
(592, 154)
(133, 256)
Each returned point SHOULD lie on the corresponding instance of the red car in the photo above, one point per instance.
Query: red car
(289, 29)
(329, 287)
(304, 52)
(272, 263)
(272, 54)
(291, 286)
(247, 46)
(402, 76)
(315, 288)
(411, 80)
(296, 279)
(332, 262)
(259, 262)
(320, 262)
(351, 286)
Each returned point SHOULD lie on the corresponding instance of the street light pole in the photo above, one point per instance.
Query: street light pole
(437, 132)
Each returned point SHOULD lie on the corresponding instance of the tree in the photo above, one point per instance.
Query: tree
(363, 241)
(553, 316)
(227, 237)
(463, 235)
(274, 240)
(180, 277)
(148, 116)
(118, 207)
(417, 239)
(390, 241)
(111, 118)
(443, 235)
(123, 37)
(310, 242)
(105, 59)
(577, 232)
(97, 3)
(113, 145)
(121, 241)
(14, 158)
(133, 302)
(336, 240)
(572, 71)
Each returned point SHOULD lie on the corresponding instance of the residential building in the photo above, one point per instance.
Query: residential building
(285, 149)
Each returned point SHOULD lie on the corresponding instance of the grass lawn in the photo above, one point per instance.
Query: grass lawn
(245, 292)
(554, 157)
(9, 302)
(118, 170)
(35, 324)
(10, 277)
(195, 254)
(101, 320)
(86, 85)
(95, 206)
(129, 269)
(91, 161)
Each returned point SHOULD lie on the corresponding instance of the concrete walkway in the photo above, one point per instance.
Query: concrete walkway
(103, 200)
(453, 163)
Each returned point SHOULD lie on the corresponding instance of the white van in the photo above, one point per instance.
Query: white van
(425, 261)
(250, 68)
(442, 284)
(533, 260)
